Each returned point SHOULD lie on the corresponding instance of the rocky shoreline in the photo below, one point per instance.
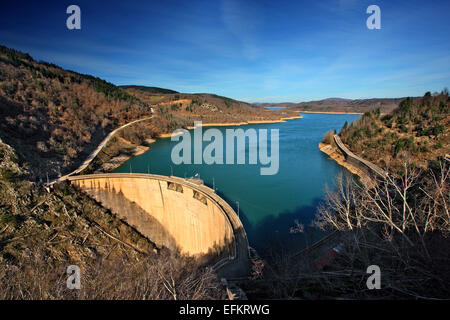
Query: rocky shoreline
(337, 156)
(124, 155)
(226, 124)
(331, 112)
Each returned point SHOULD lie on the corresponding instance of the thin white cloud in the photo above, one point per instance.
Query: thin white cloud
(243, 20)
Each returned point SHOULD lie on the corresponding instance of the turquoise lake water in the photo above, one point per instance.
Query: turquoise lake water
(268, 205)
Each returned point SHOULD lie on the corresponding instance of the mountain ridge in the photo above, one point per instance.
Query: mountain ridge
(340, 105)
(149, 89)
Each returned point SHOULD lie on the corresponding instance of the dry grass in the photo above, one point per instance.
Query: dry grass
(38, 276)
(42, 233)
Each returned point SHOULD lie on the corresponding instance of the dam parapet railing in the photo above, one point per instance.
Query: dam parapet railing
(367, 166)
(235, 263)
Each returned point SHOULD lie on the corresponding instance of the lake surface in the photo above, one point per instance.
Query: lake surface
(268, 205)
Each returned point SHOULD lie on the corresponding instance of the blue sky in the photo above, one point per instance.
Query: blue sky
(256, 51)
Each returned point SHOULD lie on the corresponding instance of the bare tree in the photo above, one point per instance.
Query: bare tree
(401, 224)
(416, 201)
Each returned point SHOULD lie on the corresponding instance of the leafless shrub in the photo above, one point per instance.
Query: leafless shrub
(166, 277)
(402, 225)
(417, 201)
(328, 137)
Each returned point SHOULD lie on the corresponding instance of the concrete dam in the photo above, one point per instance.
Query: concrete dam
(180, 214)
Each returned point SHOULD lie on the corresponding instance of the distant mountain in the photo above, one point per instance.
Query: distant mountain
(155, 90)
(278, 105)
(337, 100)
(341, 105)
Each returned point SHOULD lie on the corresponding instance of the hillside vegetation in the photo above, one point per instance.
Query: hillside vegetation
(418, 131)
(149, 89)
(347, 105)
(41, 234)
(54, 117)
(51, 120)
(173, 111)
(181, 109)
(401, 222)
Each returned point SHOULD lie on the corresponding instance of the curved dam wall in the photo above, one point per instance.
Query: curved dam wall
(367, 166)
(179, 214)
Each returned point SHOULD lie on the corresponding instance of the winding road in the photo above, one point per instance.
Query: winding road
(95, 152)
(372, 167)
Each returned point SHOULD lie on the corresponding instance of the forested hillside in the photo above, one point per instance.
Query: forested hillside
(180, 109)
(51, 120)
(417, 131)
(42, 233)
(349, 105)
(339, 105)
(54, 117)
(155, 90)
(400, 222)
